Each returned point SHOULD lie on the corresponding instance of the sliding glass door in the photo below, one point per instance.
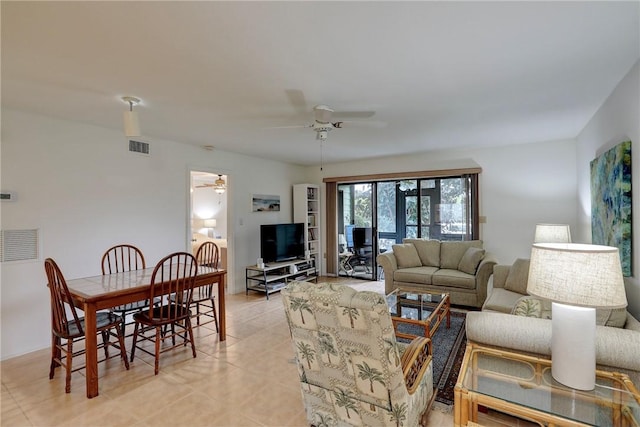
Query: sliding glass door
(373, 216)
(357, 231)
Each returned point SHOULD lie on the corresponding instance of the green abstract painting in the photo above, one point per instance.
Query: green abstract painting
(611, 202)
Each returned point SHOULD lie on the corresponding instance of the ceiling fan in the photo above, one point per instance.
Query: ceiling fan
(219, 185)
(323, 122)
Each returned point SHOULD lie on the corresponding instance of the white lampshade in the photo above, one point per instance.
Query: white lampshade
(210, 223)
(341, 239)
(552, 233)
(131, 124)
(577, 279)
(577, 274)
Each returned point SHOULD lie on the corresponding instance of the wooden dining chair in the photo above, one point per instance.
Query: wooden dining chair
(173, 275)
(121, 258)
(208, 255)
(71, 329)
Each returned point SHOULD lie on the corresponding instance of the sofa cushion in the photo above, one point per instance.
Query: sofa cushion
(470, 260)
(453, 279)
(452, 252)
(518, 276)
(422, 275)
(501, 300)
(428, 251)
(406, 255)
(615, 318)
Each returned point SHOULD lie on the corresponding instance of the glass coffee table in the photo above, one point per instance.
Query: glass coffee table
(424, 310)
(522, 386)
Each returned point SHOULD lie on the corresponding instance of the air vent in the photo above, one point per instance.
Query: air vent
(139, 147)
(18, 245)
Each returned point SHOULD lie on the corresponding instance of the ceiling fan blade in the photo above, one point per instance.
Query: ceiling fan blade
(204, 185)
(296, 99)
(352, 123)
(354, 114)
(289, 127)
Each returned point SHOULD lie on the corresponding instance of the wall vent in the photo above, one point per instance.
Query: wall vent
(19, 245)
(139, 147)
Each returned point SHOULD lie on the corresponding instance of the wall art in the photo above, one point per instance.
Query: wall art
(265, 203)
(611, 215)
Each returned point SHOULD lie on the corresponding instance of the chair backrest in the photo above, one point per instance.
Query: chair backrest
(122, 258)
(174, 274)
(346, 349)
(60, 301)
(208, 255)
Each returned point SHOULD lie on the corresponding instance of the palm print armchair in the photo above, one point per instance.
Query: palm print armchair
(352, 370)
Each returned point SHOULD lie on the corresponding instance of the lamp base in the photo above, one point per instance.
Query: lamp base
(573, 346)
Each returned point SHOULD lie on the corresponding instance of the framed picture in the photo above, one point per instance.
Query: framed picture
(611, 202)
(265, 203)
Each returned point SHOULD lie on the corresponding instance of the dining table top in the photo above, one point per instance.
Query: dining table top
(97, 287)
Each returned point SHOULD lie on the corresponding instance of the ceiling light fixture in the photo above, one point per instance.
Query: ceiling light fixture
(131, 124)
(220, 185)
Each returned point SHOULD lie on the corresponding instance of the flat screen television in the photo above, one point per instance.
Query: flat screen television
(281, 242)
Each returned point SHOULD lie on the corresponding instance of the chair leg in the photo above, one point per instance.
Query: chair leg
(190, 329)
(55, 355)
(135, 340)
(123, 352)
(215, 316)
(157, 362)
(105, 342)
(69, 360)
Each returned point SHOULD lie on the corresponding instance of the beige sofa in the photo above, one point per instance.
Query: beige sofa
(512, 320)
(461, 268)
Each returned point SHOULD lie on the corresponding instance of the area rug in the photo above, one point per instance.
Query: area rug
(448, 352)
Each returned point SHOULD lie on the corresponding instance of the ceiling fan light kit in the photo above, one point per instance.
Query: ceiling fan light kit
(322, 123)
(131, 123)
(220, 185)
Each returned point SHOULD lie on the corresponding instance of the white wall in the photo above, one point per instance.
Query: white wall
(85, 192)
(616, 121)
(520, 186)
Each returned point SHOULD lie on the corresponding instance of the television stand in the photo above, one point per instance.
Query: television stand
(275, 275)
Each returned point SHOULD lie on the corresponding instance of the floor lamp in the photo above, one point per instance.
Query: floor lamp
(552, 233)
(577, 278)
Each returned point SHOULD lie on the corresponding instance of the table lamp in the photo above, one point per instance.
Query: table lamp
(552, 233)
(342, 243)
(577, 278)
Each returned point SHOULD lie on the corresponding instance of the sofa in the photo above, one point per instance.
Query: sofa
(510, 319)
(461, 268)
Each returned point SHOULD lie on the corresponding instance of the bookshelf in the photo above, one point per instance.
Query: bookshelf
(306, 209)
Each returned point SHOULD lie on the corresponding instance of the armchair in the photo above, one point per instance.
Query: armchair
(352, 369)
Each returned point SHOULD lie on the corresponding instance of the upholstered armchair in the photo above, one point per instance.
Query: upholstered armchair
(352, 370)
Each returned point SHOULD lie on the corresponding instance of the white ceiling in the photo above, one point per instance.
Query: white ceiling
(440, 74)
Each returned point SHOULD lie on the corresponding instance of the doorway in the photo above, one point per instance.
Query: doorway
(208, 212)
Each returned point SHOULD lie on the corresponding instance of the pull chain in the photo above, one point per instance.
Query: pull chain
(321, 155)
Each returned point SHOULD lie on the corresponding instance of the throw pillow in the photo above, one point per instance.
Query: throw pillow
(518, 276)
(471, 260)
(406, 255)
(428, 251)
(452, 252)
(528, 306)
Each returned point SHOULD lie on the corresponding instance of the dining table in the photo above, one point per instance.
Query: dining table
(92, 294)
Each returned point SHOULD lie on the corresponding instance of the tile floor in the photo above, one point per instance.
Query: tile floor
(247, 380)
